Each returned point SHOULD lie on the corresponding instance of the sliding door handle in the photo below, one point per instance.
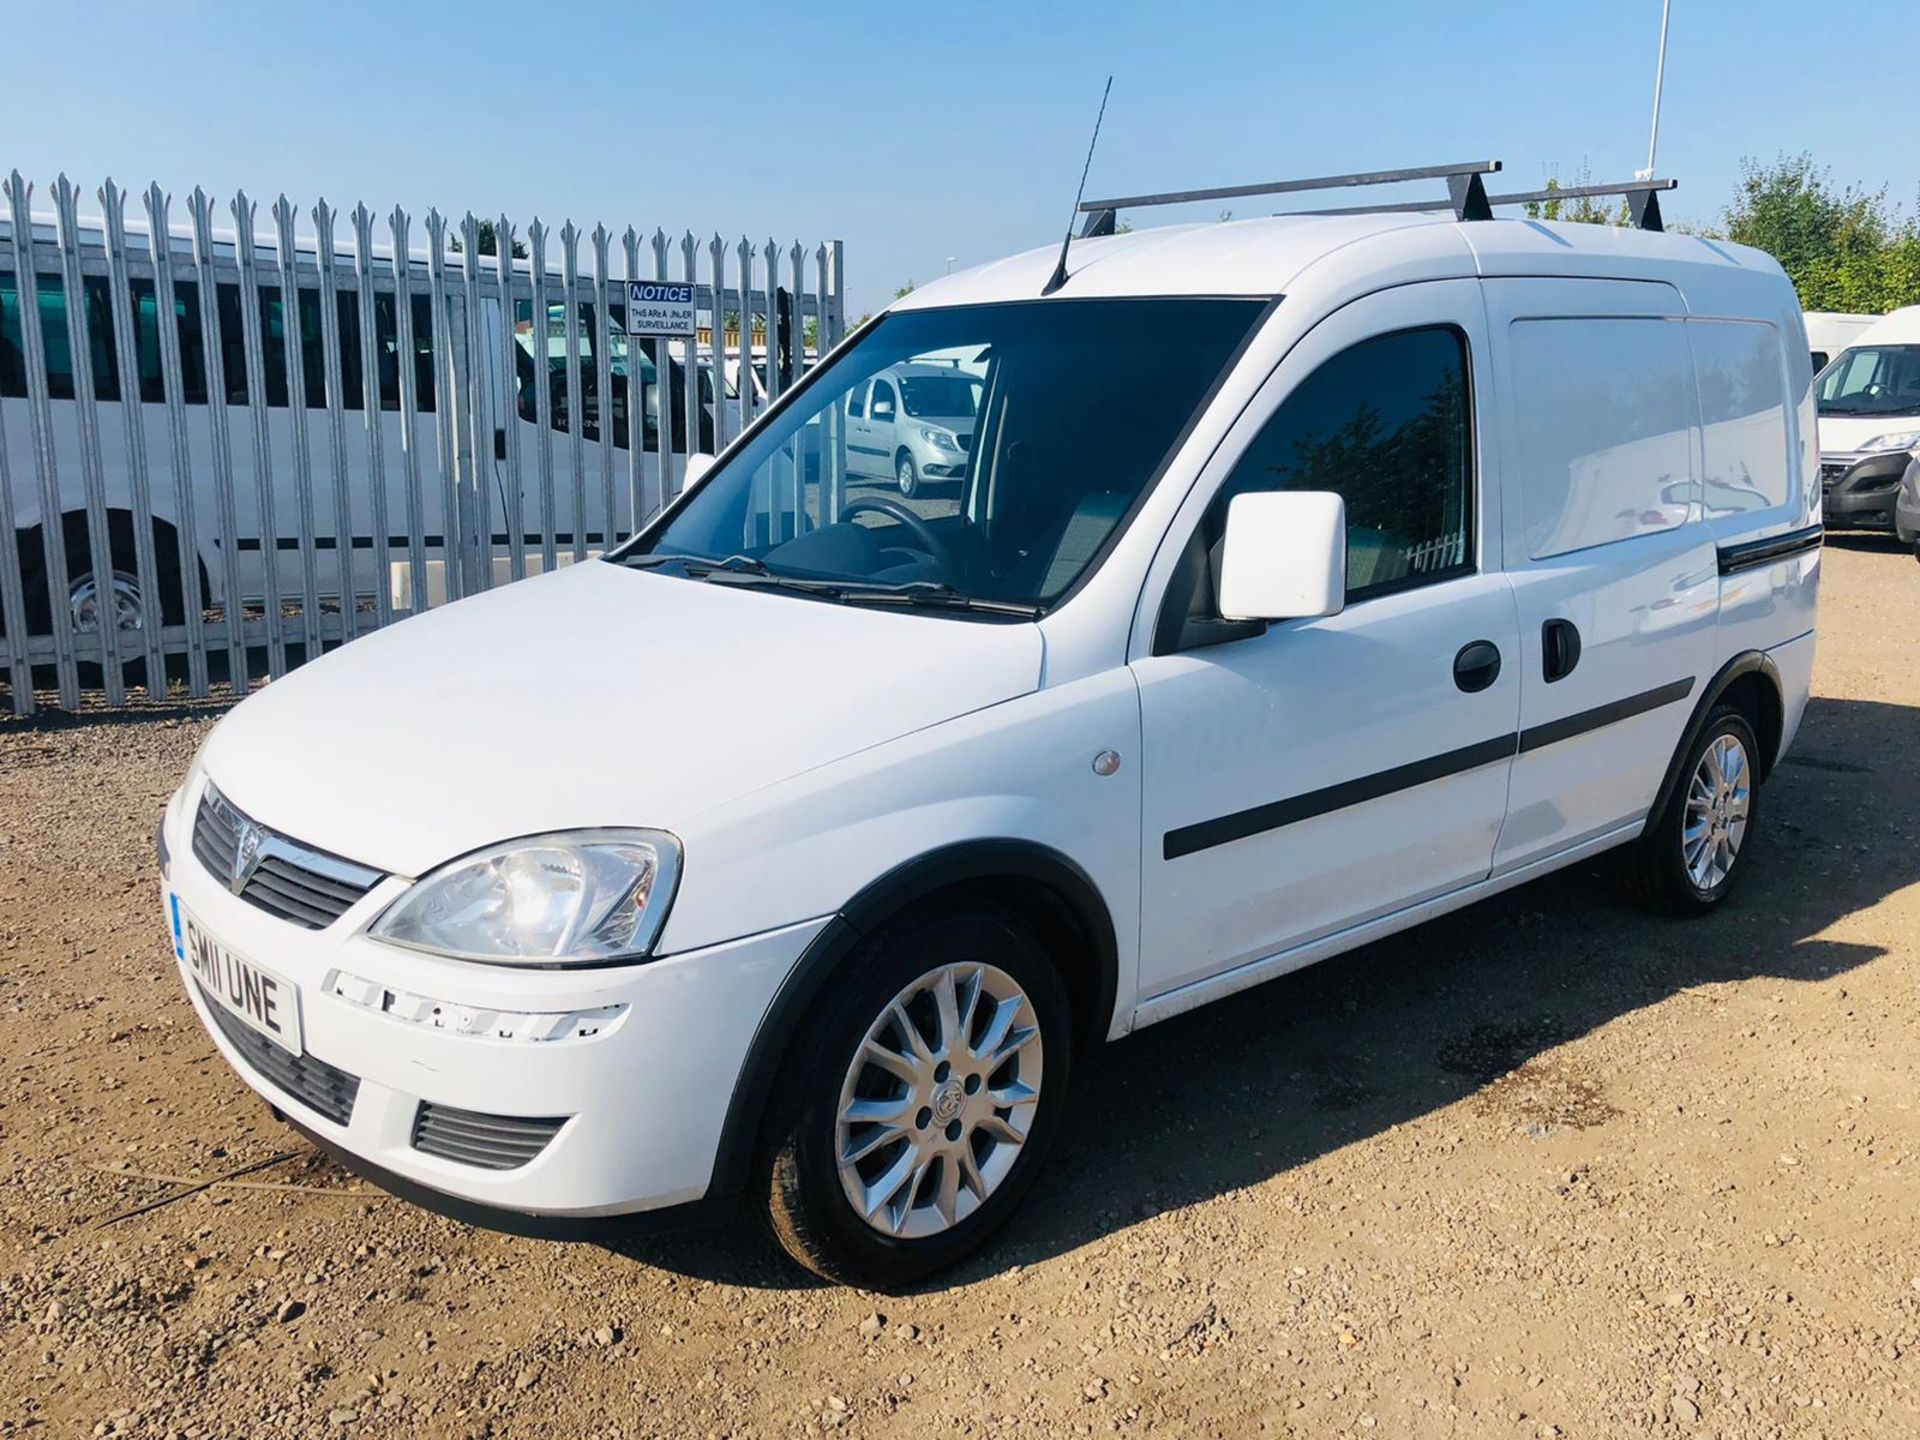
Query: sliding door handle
(1559, 649)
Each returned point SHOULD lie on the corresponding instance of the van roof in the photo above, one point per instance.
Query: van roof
(1896, 327)
(1271, 256)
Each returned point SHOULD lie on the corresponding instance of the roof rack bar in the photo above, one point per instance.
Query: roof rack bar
(1642, 201)
(1465, 168)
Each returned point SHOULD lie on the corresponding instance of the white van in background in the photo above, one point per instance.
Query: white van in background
(1869, 402)
(1304, 578)
(321, 486)
(1831, 331)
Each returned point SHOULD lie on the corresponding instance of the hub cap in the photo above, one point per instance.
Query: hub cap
(939, 1100)
(1718, 799)
(123, 601)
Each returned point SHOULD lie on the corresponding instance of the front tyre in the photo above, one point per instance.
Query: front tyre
(906, 474)
(924, 1097)
(1687, 859)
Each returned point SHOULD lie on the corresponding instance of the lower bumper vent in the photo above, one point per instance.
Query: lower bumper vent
(314, 1083)
(491, 1142)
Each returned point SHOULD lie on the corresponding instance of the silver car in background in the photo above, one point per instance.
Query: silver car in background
(912, 422)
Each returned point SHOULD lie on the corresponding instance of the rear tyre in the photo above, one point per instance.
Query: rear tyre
(1686, 861)
(922, 1098)
(907, 475)
(86, 606)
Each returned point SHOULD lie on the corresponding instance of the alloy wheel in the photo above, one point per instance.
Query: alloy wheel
(939, 1099)
(1719, 800)
(123, 603)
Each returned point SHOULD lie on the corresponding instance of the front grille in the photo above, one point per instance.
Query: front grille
(314, 1083)
(492, 1142)
(308, 887)
(966, 441)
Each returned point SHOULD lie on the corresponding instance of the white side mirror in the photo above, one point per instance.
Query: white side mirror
(697, 465)
(1285, 556)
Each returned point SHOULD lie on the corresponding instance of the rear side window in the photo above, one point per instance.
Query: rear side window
(1385, 425)
(1603, 414)
(1743, 411)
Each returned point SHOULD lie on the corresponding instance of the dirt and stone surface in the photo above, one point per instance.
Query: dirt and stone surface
(1544, 1168)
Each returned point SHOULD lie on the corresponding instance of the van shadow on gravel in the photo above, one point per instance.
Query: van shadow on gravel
(1467, 1007)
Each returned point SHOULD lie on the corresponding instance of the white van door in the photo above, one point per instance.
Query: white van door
(1615, 575)
(1304, 777)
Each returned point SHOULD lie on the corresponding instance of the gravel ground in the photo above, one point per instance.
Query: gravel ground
(1544, 1168)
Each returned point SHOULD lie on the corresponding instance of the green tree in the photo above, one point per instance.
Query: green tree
(1844, 249)
(1582, 209)
(490, 242)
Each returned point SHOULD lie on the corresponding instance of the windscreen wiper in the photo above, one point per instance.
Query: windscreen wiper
(933, 595)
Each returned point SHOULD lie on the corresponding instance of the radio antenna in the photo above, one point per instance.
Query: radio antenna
(1659, 84)
(1060, 269)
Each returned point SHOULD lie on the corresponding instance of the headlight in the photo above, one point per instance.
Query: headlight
(1893, 440)
(582, 897)
(941, 440)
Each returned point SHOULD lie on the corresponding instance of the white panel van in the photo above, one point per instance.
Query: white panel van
(1869, 404)
(1303, 579)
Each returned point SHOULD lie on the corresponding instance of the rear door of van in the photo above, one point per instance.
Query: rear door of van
(1614, 572)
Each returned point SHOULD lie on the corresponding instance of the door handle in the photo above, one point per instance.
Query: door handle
(1476, 666)
(1559, 648)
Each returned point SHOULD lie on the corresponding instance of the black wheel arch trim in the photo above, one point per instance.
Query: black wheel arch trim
(898, 888)
(1747, 662)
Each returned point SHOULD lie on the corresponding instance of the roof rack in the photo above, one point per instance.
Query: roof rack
(1467, 195)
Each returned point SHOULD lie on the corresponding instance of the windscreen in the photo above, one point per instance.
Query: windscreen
(939, 395)
(1056, 417)
(1872, 380)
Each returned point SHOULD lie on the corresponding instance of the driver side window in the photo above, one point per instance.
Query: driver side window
(1385, 424)
(885, 403)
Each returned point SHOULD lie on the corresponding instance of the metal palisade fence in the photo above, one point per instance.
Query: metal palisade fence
(229, 442)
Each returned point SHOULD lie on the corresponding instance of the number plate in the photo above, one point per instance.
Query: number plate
(252, 994)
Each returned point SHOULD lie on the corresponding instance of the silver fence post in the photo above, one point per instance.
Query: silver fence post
(662, 395)
(343, 537)
(476, 521)
(220, 443)
(603, 385)
(407, 354)
(166, 307)
(836, 331)
(452, 373)
(542, 391)
(717, 258)
(636, 396)
(133, 428)
(576, 408)
(106, 634)
(253, 355)
(379, 522)
(13, 594)
(294, 346)
(690, 366)
(508, 421)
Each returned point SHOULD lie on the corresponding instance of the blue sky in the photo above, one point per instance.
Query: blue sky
(917, 132)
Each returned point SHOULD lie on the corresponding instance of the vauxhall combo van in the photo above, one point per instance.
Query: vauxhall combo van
(1303, 578)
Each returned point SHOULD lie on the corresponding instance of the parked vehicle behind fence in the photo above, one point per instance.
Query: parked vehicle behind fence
(1305, 578)
(210, 473)
(1869, 401)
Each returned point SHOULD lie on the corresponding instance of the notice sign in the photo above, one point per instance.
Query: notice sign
(657, 307)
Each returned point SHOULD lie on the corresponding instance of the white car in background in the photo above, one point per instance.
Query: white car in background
(912, 423)
(1304, 579)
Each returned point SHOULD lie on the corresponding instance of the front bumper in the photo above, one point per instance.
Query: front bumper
(645, 1095)
(1861, 490)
